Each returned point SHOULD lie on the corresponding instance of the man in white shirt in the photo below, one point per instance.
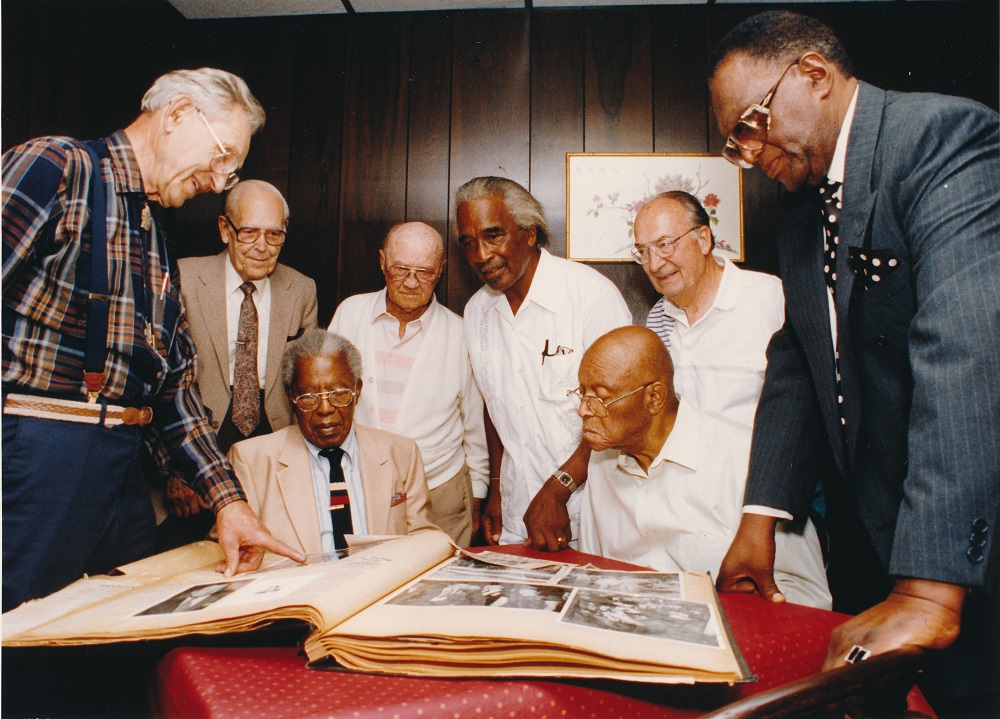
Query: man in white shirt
(666, 479)
(714, 318)
(419, 381)
(526, 331)
(282, 303)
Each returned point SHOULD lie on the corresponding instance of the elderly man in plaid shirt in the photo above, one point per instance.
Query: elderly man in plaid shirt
(95, 351)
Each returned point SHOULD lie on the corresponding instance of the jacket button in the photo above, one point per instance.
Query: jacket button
(975, 555)
(880, 341)
(215, 425)
(980, 526)
(978, 540)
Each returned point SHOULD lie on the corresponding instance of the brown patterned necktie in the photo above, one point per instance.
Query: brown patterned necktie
(246, 381)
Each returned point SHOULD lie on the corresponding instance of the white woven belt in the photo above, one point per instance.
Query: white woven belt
(67, 410)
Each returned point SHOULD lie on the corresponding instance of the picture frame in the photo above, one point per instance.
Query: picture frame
(605, 190)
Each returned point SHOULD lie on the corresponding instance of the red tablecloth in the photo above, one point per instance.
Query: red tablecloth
(781, 643)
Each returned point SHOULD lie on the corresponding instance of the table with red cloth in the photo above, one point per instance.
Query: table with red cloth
(780, 642)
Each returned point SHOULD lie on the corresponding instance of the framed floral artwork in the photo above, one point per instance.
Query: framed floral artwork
(604, 191)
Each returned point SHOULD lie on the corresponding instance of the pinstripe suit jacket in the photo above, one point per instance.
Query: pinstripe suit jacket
(919, 349)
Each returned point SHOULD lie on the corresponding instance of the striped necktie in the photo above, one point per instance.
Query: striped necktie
(340, 502)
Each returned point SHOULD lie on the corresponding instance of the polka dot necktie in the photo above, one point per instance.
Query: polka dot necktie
(340, 502)
(831, 246)
(831, 229)
(246, 380)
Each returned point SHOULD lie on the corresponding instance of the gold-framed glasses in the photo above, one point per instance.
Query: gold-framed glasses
(249, 235)
(597, 405)
(401, 273)
(750, 134)
(226, 162)
(311, 401)
(661, 248)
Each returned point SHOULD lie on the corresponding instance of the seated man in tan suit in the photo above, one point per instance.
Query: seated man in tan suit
(325, 477)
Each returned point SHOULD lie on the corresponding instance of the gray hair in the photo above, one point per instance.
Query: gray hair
(313, 343)
(212, 90)
(524, 208)
(233, 198)
(696, 214)
(781, 36)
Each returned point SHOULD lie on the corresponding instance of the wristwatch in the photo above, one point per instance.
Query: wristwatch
(565, 479)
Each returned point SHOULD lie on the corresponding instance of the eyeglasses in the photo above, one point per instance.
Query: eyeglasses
(337, 398)
(750, 133)
(249, 235)
(597, 405)
(402, 273)
(226, 162)
(661, 248)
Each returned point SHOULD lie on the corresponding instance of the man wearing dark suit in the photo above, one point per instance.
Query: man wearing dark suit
(379, 487)
(283, 301)
(886, 368)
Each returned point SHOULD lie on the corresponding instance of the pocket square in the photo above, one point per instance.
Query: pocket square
(292, 338)
(872, 266)
(397, 499)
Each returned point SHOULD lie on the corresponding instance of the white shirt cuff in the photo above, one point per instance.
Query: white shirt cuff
(767, 511)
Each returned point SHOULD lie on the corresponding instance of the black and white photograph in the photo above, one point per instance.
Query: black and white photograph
(661, 584)
(194, 598)
(673, 619)
(429, 593)
(468, 568)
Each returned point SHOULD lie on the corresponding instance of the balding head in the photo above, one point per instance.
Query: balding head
(411, 258)
(623, 361)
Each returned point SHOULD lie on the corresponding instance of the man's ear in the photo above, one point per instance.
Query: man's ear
(655, 397)
(176, 109)
(223, 229)
(819, 71)
(531, 235)
(381, 260)
(357, 390)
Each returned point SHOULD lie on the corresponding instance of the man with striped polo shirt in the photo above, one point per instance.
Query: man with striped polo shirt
(418, 379)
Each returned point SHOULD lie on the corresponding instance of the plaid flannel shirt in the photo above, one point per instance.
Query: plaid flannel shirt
(46, 240)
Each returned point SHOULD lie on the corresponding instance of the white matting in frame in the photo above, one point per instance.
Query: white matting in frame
(604, 191)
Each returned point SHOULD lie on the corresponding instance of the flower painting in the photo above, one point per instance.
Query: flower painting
(606, 191)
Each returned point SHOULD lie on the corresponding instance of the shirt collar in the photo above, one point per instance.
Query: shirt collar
(725, 297)
(839, 162)
(681, 446)
(233, 279)
(124, 166)
(349, 445)
(380, 309)
(546, 288)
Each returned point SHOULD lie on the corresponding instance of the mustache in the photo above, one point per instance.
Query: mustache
(490, 265)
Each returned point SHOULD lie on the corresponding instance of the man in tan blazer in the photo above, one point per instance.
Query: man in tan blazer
(287, 475)
(253, 231)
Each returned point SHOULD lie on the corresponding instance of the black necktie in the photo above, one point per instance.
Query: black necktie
(831, 246)
(246, 380)
(340, 503)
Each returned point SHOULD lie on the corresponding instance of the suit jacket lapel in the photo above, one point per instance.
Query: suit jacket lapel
(801, 252)
(210, 293)
(296, 485)
(859, 197)
(377, 479)
(281, 315)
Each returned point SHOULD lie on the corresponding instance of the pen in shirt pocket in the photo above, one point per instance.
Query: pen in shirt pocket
(559, 350)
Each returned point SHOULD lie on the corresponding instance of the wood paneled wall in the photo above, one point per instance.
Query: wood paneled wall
(375, 119)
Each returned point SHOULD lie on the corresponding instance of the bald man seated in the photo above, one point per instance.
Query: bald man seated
(665, 482)
(326, 477)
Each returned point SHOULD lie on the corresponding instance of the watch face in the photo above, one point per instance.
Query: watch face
(565, 480)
